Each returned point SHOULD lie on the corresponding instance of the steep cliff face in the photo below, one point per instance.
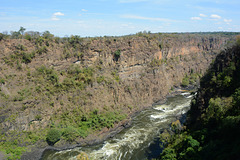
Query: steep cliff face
(149, 67)
(52, 82)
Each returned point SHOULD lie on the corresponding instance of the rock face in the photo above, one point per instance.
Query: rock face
(130, 73)
(149, 67)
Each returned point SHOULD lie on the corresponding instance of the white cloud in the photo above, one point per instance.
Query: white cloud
(220, 28)
(58, 14)
(84, 10)
(54, 16)
(196, 18)
(227, 21)
(145, 18)
(202, 15)
(215, 16)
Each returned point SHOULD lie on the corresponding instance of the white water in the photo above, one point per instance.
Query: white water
(133, 142)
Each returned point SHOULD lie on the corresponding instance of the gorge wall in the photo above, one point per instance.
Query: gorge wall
(50, 82)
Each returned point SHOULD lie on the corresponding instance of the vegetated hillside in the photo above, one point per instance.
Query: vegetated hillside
(68, 88)
(214, 118)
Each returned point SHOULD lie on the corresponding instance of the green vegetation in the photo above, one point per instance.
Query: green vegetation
(116, 76)
(214, 118)
(190, 79)
(15, 147)
(185, 147)
(2, 81)
(20, 55)
(155, 62)
(53, 135)
(93, 121)
(70, 133)
(101, 79)
(1, 36)
(12, 149)
(185, 81)
(117, 54)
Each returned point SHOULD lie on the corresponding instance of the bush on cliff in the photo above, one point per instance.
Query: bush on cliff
(70, 133)
(53, 136)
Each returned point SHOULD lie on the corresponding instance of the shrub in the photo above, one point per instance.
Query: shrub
(155, 63)
(168, 153)
(70, 133)
(117, 54)
(2, 81)
(27, 57)
(28, 37)
(116, 76)
(53, 136)
(48, 73)
(100, 79)
(38, 117)
(82, 132)
(42, 50)
(21, 47)
(185, 81)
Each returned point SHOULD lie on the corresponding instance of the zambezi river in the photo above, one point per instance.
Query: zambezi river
(138, 142)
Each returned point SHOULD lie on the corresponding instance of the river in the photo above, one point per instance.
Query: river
(138, 142)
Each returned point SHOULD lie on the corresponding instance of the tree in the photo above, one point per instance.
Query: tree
(15, 35)
(53, 136)
(21, 30)
(1, 36)
(117, 54)
(47, 35)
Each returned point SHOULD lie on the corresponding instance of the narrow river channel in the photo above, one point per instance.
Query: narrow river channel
(138, 142)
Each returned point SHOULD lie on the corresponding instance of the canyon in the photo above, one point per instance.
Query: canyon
(52, 82)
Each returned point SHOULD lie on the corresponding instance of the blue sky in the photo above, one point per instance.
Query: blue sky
(119, 17)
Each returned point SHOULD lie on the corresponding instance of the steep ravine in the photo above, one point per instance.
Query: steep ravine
(123, 74)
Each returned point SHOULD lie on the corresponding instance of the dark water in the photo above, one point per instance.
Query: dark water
(138, 142)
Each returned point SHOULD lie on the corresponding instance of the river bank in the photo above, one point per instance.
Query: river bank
(38, 150)
(92, 139)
